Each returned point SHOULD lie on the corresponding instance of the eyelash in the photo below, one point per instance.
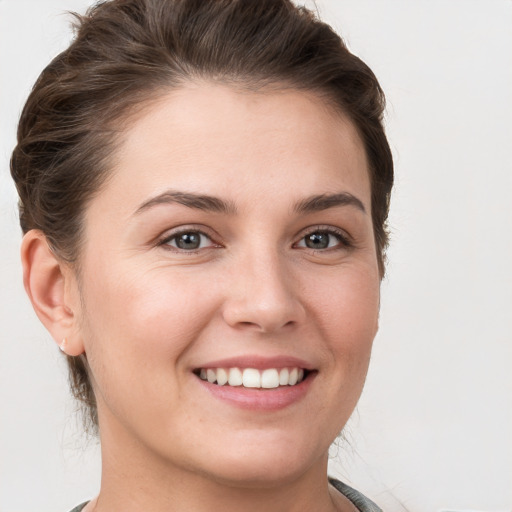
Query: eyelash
(165, 242)
(344, 240)
(342, 237)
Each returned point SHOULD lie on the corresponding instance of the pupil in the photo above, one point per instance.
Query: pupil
(188, 241)
(317, 240)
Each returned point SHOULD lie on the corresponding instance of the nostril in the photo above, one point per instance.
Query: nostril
(266, 327)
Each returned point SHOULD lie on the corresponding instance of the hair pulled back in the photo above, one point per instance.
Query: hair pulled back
(128, 52)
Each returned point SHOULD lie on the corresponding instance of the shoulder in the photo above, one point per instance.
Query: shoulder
(362, 503)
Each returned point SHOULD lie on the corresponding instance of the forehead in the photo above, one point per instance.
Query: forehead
(216, 139)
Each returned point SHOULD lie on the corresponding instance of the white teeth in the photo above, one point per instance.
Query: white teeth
(283, 377)
(235, 377)
(222, 376)
(251, 378)
(269, 378)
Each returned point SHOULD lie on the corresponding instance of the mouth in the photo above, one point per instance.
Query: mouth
(268, 378)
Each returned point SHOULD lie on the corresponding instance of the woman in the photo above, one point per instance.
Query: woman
(204, 188)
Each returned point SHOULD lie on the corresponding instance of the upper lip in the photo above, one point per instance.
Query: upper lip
(258, 362)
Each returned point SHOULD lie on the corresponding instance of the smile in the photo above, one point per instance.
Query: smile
(269, 378)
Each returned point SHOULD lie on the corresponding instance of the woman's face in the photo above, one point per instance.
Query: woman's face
(233, 241)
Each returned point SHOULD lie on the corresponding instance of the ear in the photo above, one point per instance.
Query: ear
(52, 289)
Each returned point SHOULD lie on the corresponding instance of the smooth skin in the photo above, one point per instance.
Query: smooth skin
(148, 310)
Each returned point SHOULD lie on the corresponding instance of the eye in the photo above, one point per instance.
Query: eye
(324, 239)
(189, 240)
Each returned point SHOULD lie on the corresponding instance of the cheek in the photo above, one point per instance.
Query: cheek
(347, 309)
(136, 322)
(146, 306)
(344, 308)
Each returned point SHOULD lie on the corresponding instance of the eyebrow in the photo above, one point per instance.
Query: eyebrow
(208, 203)
(191, 200)
(325, 201)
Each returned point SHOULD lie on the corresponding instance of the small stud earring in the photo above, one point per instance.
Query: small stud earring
(63, 344)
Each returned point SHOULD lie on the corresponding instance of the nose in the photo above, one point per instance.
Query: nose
(262, 295)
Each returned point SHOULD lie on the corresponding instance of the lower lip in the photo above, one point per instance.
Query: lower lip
(258, 398)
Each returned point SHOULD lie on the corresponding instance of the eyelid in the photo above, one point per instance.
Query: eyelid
(344, 238)
(346, 241)
(164, 239)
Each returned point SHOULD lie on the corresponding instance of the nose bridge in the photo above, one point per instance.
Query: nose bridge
(263, 294)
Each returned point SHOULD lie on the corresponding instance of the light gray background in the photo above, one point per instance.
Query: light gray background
(433, 428)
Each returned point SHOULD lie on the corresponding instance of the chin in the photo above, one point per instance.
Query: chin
(264, 463)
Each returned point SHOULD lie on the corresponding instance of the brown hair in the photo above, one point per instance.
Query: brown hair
(127, 52)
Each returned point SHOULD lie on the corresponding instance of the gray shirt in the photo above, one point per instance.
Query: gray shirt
(362, 503)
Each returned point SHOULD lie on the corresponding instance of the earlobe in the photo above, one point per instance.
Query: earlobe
(46, 280)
